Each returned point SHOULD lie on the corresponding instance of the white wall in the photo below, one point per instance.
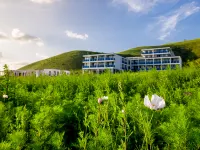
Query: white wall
(54, 72)
(118, 62)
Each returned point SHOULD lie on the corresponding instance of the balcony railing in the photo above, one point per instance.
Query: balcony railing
(94, 66)
(109, 58)
(147, 52)
(156, 52)
(100, 65)
(157, 62)
(101, 59)
(149, 62)
(142, 63)
(85, 66)
(165, 62)
(93, 59)
(86, 60)
(133, 63)
(175, 61)
(110, 66)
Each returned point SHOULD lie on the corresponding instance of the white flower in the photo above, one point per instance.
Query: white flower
(105, 97)
(100, 100)
(155, 103)
(122, 111)
(5, 96)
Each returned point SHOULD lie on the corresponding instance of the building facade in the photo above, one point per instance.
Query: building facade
(158, 58)
(51, 72)
(37, 73)
(98, 63)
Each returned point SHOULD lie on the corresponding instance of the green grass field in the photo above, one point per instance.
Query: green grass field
(63, 113)
(188, 50)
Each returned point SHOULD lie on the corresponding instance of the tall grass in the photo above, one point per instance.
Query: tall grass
(63, 112)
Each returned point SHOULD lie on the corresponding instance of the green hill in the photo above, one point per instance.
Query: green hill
(67, 61)
(189, 50)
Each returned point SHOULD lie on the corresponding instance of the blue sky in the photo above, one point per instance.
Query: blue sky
(31, 30)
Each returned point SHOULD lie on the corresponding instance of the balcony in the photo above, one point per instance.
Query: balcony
(147, 52)
(156, 52)
(93, 59)
(86, 60)
(157, 62)
(149, 63)
(166, 62)
(100, 65)
(107, 58)
(141, 63)
(110, 66)
(135, 63)
(93, 66)
(100, 59)
(161, 51)
(85, 67)
(175, 61)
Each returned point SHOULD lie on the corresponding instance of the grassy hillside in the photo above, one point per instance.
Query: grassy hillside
(69, 60)
(189, 51)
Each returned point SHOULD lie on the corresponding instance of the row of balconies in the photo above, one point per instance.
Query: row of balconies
(156, 62)
(99, 59)
(156, 52)
(98, 66)
(157, 68)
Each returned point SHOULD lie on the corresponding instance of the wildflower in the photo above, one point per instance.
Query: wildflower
(100, 100)
(155, 103)
(5, 96)
(122, 111)
(187, 93)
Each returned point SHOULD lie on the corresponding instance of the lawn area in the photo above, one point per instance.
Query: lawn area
(63, 112)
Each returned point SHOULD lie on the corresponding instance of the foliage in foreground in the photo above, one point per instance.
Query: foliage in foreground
(63, 113)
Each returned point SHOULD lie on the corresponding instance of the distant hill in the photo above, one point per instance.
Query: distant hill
(189, 50)
(67, 61)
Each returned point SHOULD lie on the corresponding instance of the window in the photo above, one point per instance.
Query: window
(49, 73)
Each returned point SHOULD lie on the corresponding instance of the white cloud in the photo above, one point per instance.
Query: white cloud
(24, 38)
(143, 6)
(41, 56)
(13, 65)
(167, 24)
(43, 1)
(76, 35)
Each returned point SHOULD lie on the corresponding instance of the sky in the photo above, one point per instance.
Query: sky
(32, 30)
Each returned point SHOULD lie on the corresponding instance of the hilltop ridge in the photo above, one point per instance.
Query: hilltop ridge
(189, 50)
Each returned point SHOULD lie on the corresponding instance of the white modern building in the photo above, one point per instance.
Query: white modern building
(158, 58)
(98, 63)
(51, 72)
(48, 72)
